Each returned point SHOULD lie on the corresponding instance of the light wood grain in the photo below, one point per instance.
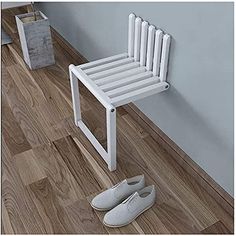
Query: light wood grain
(23, 216)
(84, 218)
(23, 114)
(78, 167)
(63, 183)
(217, 228)
(27, 86)
(28, 167)
(6, 223)
(175, 218)
(7, 57)
(54, 216)
(15, 138)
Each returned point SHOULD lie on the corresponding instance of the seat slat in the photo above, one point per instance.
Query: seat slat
(103, 61)
(143, 47)
(137, 38)
(139, 94)
(119, 76)
(131, 35)
(151, 34)
(157, 52)
(125, 81)
(92, 87)
(133, 86)
(164, 57)
(108, 66)
(113, 71)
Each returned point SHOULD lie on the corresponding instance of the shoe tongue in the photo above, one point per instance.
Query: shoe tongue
(130, 198)
(120, 184)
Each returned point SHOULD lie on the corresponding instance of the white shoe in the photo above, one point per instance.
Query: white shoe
(131, 208)
(116, 194)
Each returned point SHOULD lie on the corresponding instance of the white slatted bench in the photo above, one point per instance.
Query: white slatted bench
(122, 79)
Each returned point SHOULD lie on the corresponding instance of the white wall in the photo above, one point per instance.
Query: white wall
(197, 111)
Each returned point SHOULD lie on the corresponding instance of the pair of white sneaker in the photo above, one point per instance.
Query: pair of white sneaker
(126, 201)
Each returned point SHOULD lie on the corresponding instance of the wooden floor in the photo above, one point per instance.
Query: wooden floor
(50, 172)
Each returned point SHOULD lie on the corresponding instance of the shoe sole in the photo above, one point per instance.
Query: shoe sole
(117, 226)
(100, 209)
(106, 209)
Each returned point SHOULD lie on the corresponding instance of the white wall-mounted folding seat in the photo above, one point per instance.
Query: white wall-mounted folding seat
(123, 78)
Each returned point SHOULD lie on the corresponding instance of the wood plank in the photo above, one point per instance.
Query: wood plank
(60, 82)
(43, 80)
(27, 85)
(78, 167)
(62, 181)
(24, 217)
(49, 115)
(28, 168)
(217, 228)
(142, 133)
(6, 223)
(208, 200)
(48, 112)
(84, 218)
(7, 57)
(173, 216)
(25, 117)
(9, 20)
(54, 216)
(15, 138)
(150, 223)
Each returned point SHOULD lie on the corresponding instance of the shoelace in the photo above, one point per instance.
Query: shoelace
(119, 184)
(131, 198)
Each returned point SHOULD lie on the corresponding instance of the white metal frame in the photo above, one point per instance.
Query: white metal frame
(123, 78)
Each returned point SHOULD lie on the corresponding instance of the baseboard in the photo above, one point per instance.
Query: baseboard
(214, 189)
(192, 168)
